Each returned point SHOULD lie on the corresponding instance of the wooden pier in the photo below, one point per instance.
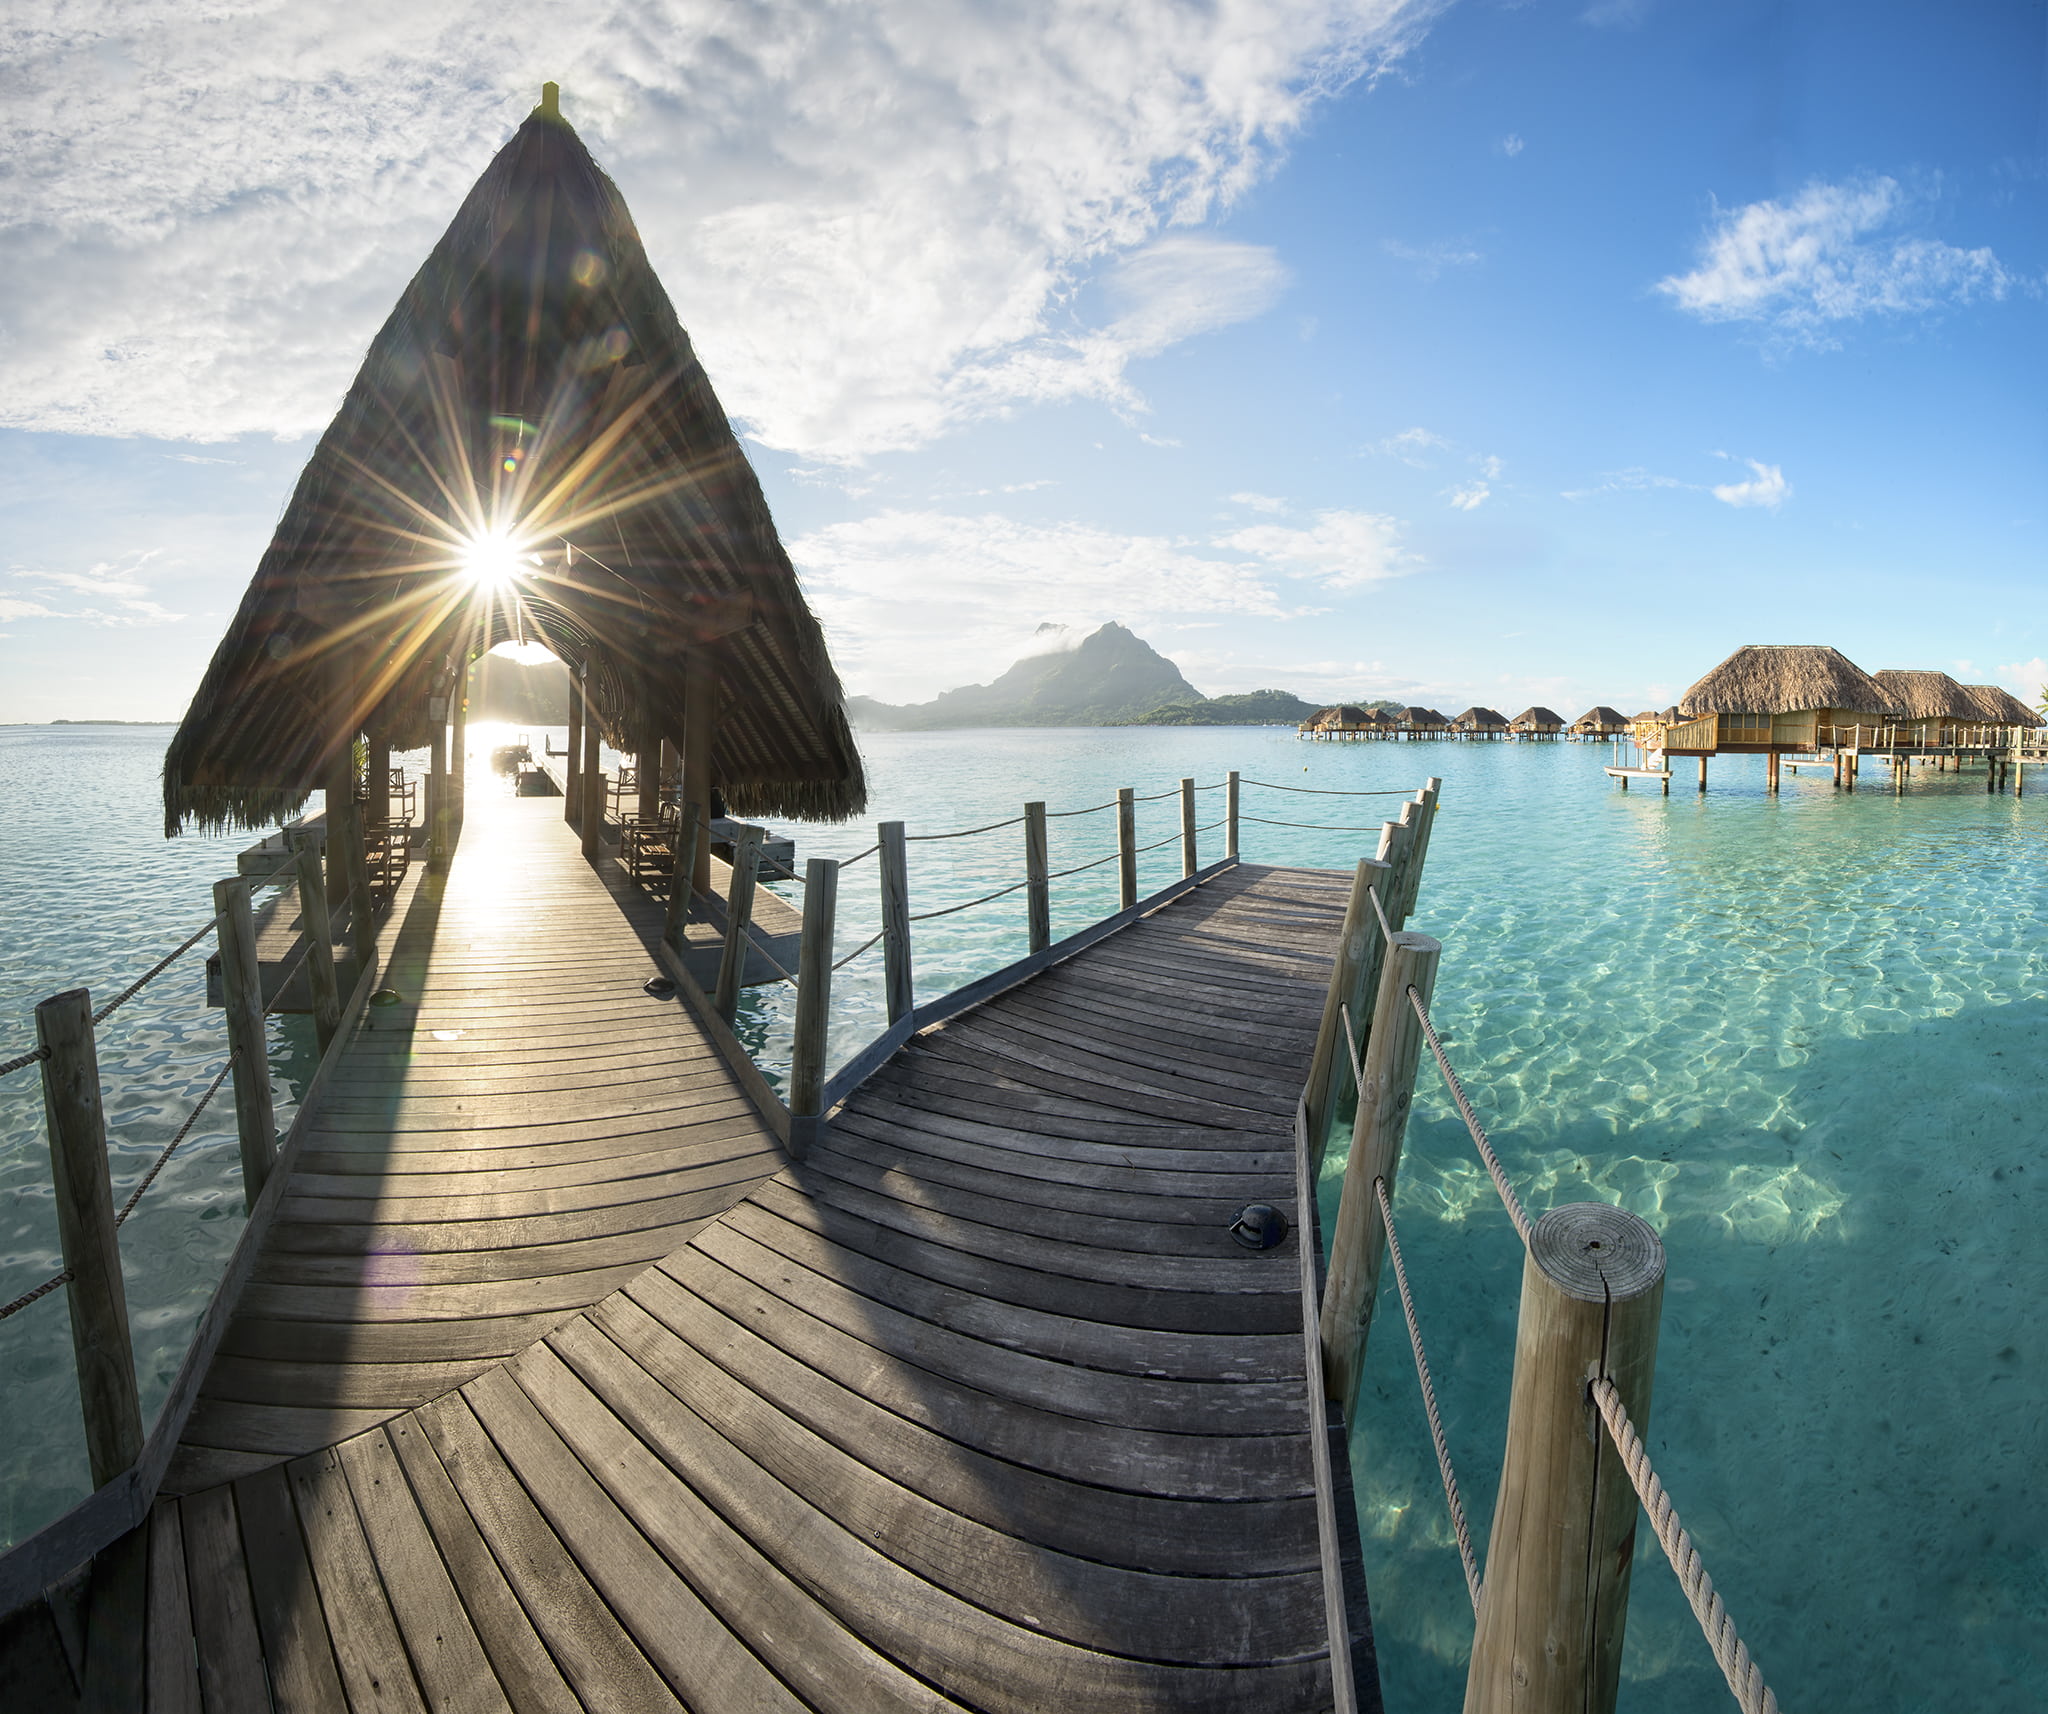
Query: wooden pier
(556, 1382)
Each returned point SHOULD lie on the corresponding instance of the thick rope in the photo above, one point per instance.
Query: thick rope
(1516, 1212)
(1745, 1677)
(858, 856)
(284, 976)
(1061, 874)
(22, 1061)
(1092, 809)
(1319, 791)
(1379, 910)
(926, 916)
(153, 972)
(184, 1131)
(966, 832)
(28, 1297)
(1436, 1421)
(1312, 826)
(856, 952)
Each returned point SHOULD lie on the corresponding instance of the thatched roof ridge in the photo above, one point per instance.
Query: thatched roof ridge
(1926, 695)
(1602, 716)
(1536, 715)
(533, 378)
(1477, 717)
(1999, 707)
(1340, 714)
(1785, 678)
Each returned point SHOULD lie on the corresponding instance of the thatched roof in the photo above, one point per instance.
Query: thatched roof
(1785, 678)
(1341, 714)
(533, 383)
(1420, 717)
(1601, 716)
(1921, 695)
(2000, 707)
(1538, 717)
(1476, 718)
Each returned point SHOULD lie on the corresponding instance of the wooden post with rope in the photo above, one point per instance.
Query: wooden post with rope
(1230, 814)
(242, 992)
(1037, 884)
(1127, 846)
(893, 856)
(98, 1300)
(319, 932)
(1190, 861)
(572, 760)
(1555, 1601)
(1356, 944)
(690, 834)
(1386, 1091)
(739, 916)
(813, 1003)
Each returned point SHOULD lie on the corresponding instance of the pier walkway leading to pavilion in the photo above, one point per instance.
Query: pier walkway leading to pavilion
(559, 1385)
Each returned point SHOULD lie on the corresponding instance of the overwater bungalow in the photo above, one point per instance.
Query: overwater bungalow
(1779, 698)
(1932, 708)
(1601, 722)
(1341, 720)
(1477, 722)
(2000, 707)
(1418, 722)
(1537, 722)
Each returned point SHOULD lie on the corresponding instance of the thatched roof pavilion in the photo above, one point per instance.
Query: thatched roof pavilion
(1600, 722)
(1786, 678)
(1341, 714)
(2000, 707)
(1918, 695)
(531, 450)
(1477, 719)
(1537, 719)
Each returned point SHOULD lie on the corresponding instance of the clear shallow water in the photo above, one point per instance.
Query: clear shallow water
(1803, 1037)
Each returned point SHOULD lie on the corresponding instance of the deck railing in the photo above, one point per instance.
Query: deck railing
(1550, 1609)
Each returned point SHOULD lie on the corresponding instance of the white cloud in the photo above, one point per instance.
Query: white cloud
(1631, 480)
(1259, 502)
(874, 219)
(2028, 680)
(13, 609)
(1409, 446)
(122, 586)
(1512, 145)
(1341, 550)
(1430, 260)
(1471, 497)
(1802, 267)
(1767, 487)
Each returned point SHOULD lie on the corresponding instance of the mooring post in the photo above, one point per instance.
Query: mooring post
(319, 932)
(813, 1003)
(1555, 1602)
(242, 989)
(894, 856)
(1399, 841)
(1355, 946)
(85, 1231)
(1189, 860)
(1230, 814)
(1386, 1091)
(690, 833)
(1037, 885)
(739, 914)
(1127, 845)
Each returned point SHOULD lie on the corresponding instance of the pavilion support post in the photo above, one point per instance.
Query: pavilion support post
(671, 772)
(437, 788)
(813, 1004)
(1127, 846)
(572, 762)
(377, 778)
(242, 988)
(701, 700)
(1230, 815)
(458, 744)
(319, 932)
(100, 1343)
(1037, 879)
(1703, 773)
(1555, 1601)
(345, 852)
(739, 917)
(647, 772)
(1386, 1091)
(1770, 770)
(691, 834)
(592, 806)
(897, 976)
(1190, 861)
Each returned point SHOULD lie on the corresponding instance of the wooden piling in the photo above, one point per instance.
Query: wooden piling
(1386, 1091)
(437, 787)
(813, 1001)
(1230, 814)
(242, 990)
(1037, 886)
(1770, 770)
(1427, 801)
(1189, 860)
(702, 699)
(98, 1300)
(690, 835)
(319, 932)
(1127, 845)
(348, 868)
(592, 807)
(458, 743)
(894, 856)
(572, 762)
(1555, 1602)
(647, 774)
(1358, 947)
(739, 913)
(1703, 773)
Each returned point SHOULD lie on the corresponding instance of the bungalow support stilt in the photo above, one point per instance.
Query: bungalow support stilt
(572, 763)
(701, 698)
(592, 807)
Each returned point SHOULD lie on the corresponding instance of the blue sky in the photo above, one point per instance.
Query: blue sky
(1455, 353)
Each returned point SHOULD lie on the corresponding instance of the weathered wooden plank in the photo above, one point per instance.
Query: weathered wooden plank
(229, 1648)
(538, 1261)
(327, 1386)
(604, 1666)
(173, 1664)
(401, 1301)
(367, 1649)
(295, 1642)
(454, 1673)
(385, 1341)
(117, 1617)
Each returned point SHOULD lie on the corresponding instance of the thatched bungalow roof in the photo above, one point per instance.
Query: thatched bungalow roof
(1341, 714)
(1921, 695)
(1999, 707)
(532, 389)
(1538, 719)
(1785, 678)
(1477, 719)
(1601, 716)
(1422, 718)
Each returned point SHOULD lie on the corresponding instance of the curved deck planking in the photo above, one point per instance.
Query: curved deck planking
(976, 1406)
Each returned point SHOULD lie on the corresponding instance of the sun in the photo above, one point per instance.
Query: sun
(494, 561)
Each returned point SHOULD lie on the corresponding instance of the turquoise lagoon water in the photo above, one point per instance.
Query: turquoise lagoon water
(1802, 1036)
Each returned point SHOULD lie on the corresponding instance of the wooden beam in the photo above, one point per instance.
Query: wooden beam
(897, 976)
(701, 711)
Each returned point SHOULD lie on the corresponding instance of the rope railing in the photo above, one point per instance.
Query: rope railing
(22, 1061)
(1321, 791)
(1092, 809)
(964, 832)
(1082, 868)
(1745, 1677)
(1311, 826)
(1015, 886)
(871, 942)
(1516, 1213)
(153, 972)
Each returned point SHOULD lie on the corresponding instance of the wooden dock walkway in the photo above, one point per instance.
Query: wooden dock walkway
(559, 1385)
